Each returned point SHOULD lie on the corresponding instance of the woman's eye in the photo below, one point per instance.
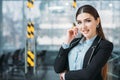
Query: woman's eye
(79, 22)
(88, 20)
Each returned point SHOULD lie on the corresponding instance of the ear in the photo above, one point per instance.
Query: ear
(98, 20)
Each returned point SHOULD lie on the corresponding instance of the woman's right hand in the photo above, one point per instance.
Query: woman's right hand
(71, 34)
(62, 75)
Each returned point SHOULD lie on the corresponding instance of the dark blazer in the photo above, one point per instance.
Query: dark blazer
(95, 58)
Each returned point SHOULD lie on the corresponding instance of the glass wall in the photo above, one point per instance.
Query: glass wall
(51, 19)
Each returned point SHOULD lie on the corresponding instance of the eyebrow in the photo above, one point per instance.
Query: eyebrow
(84, 19)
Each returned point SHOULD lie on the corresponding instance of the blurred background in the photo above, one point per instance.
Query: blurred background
(51, 20)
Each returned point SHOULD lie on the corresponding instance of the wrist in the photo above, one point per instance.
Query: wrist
(67, 41)
(65, 46)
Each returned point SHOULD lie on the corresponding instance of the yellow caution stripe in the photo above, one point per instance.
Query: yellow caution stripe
(74, 4)
(30, 53)
(30, 30)
(30, 62)
(30, 3)
(30, 58)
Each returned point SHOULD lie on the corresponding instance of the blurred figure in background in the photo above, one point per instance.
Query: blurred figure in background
(84, 58)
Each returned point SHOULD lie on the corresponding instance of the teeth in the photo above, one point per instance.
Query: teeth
(86, 31)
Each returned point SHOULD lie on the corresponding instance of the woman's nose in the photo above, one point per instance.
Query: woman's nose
(83, 26)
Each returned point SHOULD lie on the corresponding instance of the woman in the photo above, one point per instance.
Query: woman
(84, 58)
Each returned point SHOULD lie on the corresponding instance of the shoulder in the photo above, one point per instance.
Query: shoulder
(106, 43)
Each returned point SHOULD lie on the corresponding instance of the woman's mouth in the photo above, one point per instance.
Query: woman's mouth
(85, 31)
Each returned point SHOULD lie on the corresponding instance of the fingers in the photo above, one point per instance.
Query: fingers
(62, 75)
(61, 78)
(71, 34)
(73, 31)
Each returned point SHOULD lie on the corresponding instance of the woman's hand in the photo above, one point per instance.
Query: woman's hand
(71, 34)
(62, 75)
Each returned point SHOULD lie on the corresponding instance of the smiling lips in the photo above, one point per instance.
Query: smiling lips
(85, 31)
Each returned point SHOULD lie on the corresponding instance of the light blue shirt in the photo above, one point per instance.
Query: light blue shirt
(76, 55)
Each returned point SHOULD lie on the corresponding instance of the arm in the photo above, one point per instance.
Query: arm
(96, 64)
(61, 61)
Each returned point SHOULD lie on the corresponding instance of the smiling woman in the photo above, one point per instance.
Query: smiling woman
(84, 58)
(87, 25)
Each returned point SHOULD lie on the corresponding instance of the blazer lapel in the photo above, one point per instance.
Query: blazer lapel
(74, 43)
(90, 52)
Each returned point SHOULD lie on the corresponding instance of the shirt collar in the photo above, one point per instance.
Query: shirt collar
(87, 41)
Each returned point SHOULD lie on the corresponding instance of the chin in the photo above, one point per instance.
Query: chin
(86, 36)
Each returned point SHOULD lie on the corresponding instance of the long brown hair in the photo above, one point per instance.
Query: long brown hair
(91, 10)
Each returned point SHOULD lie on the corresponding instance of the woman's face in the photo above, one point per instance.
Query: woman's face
(87, 25)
